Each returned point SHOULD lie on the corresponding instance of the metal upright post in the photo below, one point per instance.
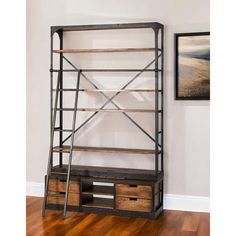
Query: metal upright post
(162, 98)
(60, 33)
(162, 114)
(51, 88)
(156, 31)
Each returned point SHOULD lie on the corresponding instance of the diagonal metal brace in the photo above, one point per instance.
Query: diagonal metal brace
(111, 100)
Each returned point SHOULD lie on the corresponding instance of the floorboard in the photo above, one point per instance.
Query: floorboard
(169, 223)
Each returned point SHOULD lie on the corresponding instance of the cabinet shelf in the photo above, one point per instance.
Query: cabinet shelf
(99, 203)
(99, 190)
(104, 50)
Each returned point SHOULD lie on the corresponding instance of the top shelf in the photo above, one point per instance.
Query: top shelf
(153, 25)
(103, 50)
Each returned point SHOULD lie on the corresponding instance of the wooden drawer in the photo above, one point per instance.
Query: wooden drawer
(133, 204)
(59, 185)
(73, 199)
(138, 191)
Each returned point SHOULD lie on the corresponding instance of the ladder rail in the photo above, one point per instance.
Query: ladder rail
(72, 144)
(51, 145)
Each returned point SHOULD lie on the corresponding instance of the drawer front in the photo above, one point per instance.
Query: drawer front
(59, 185)
(139, 191)
(133, 204)
(73, 199)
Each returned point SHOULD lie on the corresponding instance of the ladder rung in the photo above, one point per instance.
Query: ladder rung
(66, 109)
(64, 130)
(58, 173)
(62, 151)
(69, 90)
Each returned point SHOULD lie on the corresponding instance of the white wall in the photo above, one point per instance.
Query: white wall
(186, 123)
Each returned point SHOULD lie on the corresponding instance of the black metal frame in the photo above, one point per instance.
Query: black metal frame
(176, 51)
(159, 104)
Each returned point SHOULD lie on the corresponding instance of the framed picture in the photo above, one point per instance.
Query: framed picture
(192, 66)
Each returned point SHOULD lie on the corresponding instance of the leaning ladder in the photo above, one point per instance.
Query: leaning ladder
(50, 158)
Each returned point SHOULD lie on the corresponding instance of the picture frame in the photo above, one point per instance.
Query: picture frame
(192, 66)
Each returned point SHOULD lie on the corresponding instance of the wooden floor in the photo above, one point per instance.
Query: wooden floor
(176, 223)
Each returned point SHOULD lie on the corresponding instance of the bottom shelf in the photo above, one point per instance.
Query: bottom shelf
(99, 203)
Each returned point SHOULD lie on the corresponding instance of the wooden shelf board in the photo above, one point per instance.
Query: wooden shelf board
(102, 50)
(66, 148)
(99, 190)
(110, 172)
(100, 203)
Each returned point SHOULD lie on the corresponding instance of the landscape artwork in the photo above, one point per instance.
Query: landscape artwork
(192, 66)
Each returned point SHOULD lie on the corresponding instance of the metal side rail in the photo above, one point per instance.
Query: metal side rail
(51, 173)
(71, 144)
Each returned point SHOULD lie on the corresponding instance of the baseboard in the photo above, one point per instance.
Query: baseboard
(171, 201)
(186, 203)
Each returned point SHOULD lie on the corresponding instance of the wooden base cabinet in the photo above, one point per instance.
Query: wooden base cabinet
(110, 196)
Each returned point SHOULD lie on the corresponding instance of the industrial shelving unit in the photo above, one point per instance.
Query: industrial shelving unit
(133, 192)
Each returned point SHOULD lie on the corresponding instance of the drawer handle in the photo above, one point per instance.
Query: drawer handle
(62, 193)
(133, 185)
(133, 198)
(62, 180)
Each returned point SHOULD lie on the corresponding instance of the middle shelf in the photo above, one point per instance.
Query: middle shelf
(104, 50)
(66, 149)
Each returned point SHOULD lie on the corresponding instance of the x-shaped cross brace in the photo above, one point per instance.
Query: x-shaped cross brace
(110, 99)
